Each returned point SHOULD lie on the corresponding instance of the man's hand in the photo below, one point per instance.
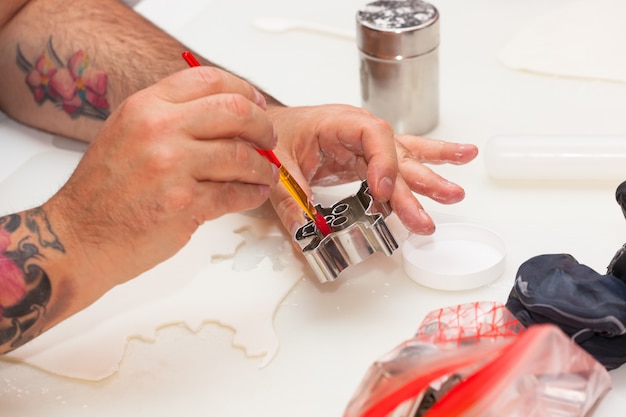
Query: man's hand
(335, 144)
(168, 159)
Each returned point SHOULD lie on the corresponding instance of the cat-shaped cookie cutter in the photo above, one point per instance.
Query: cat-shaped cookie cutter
(358, 231)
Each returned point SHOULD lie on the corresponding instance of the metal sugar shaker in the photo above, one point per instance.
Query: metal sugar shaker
(398, 43)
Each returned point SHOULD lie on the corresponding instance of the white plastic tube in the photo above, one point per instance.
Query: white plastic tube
(580, 158)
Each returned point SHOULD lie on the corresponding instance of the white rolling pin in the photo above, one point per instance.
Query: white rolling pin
(580, 158)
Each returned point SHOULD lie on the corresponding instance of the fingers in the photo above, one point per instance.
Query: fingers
(197, 82)
(437, 151)
(405, 205)
(414, 151)
(210, 103)
(409, 210)
(379, 151)
(183, 152)
(214, 200)
(226, 116)
(229, 160)
(228, 127)
(289, 212)
(422, 180)
(211, 128)
(362, 135)
(351, 141)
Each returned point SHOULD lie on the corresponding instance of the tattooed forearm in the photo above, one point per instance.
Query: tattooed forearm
(76, 87)
(25, 288)
(38, 223)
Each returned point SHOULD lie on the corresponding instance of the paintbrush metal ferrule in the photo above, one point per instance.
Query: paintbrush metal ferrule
(303, 201)
(296, 192)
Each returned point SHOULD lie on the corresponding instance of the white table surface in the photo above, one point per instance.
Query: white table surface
(330, 334)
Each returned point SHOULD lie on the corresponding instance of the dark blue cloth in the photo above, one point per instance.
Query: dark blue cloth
(587, 306)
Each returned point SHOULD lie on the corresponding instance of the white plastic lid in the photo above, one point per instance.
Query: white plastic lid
(458, 256)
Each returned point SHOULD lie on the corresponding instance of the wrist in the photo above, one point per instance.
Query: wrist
(71, 264)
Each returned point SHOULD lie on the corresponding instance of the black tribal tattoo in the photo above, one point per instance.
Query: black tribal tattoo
(25, 287)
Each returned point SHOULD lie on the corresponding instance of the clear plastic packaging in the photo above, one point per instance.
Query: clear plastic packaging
(477, 360)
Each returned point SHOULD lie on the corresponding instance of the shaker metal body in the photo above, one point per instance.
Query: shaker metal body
(398, 43)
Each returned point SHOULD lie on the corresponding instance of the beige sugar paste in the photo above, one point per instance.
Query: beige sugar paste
(582, 39)
(201, 284)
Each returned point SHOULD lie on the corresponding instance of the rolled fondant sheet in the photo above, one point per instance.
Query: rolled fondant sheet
(582, 39)
(234, 272)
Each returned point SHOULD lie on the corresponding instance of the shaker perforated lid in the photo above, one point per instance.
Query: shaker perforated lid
(396, 29)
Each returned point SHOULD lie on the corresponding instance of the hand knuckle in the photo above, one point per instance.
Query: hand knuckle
(213, 78)
(163, 159)
(177, 198)
(148, 119)
(238, 105)
(381, 124)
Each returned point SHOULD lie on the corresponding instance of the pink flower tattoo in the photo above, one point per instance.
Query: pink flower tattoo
(78, 88)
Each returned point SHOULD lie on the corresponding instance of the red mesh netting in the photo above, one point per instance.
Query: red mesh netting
(469, 323)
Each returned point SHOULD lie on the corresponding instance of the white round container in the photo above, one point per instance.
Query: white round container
(458, 256)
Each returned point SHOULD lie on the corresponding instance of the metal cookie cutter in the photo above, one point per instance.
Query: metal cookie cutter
(358, 230)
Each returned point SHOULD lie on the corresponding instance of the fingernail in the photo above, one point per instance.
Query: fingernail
(448, 193)
(465, 151)
(430, 225)
(275, 173)
(294, 228)
(385, 188)
(260, 100)
(423, 215)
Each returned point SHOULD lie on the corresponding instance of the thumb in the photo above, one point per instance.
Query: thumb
(289, 212)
